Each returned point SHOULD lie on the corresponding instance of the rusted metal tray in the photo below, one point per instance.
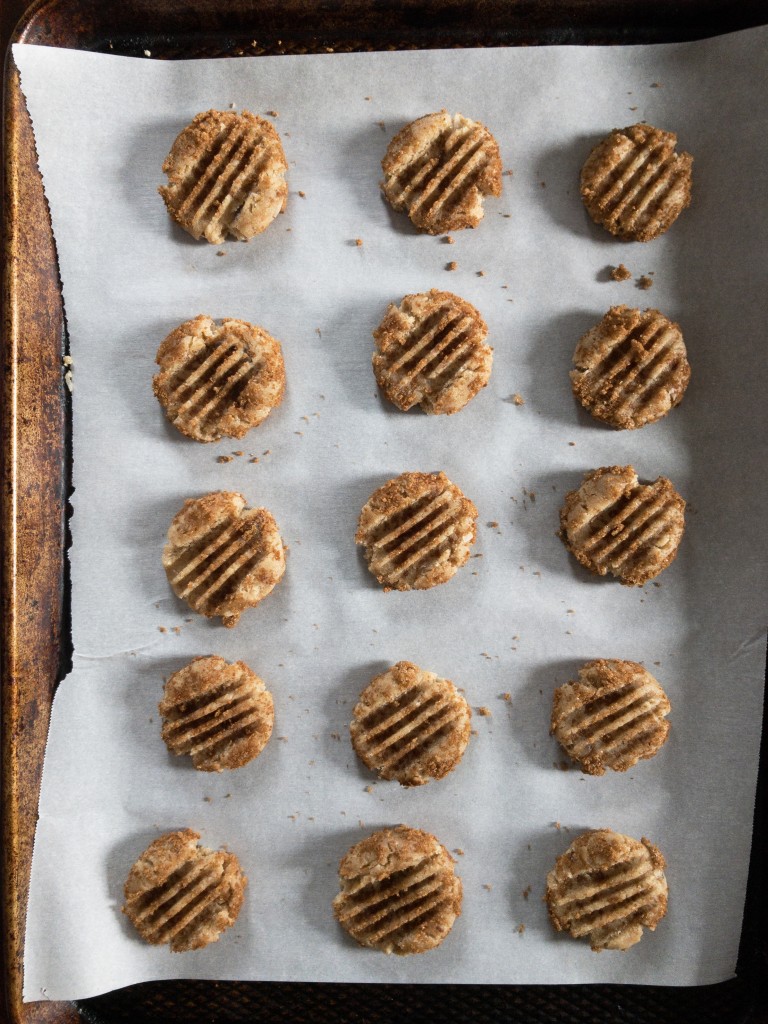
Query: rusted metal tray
(35, 458)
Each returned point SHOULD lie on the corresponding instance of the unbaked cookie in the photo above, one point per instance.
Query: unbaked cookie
(635, 184)
(417, 531)
(221, 556)
(219, 713)
(613, 716)
(630, 369)
(226, 176)
(438, 169)
(431, 352)
(409, 725)
(183, 895)
(218, 380)
(399, 893)
(607, 887)
(614, 524)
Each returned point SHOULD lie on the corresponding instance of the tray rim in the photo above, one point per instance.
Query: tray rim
(15, 630)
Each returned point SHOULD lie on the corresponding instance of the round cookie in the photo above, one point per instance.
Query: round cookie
(614, 524)
(399, 893)
(635, 184)
(226, 176)
(218, 380)
(431, 352)
(611, 717)
(221, 556)
(631, 368)
(417, 531)
(183, 895)
(219, 713)
(409, 725)
(438, 169)
(607, 887)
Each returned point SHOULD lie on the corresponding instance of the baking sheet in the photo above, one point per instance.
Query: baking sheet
(520, 619)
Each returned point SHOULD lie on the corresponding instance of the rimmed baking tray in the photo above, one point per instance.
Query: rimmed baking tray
(35, 458)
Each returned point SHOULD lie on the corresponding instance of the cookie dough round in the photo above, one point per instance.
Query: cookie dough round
(634, 184)
(606, 888)
(222, 557)
(417, 531)
(614, 524)
(218, 713)
(631, 368)
(226, 176)
(399, 893)
(409, 725)
(613, 716)
(439, 168)
(219, 379)
(431, 352)
(183, 895)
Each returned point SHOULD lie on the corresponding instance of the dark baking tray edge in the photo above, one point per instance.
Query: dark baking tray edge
(35, 472)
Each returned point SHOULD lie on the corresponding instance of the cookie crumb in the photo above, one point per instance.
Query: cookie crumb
(518, 399)
(302, 194)
(459, 852)
(520, 929)
(358, 242)
(221, 253)
(272, 113)
(644, 282)
(224, 458)
(449, 239)
(487, 887)
(484, 712)
(453, 265)
(162, 629)
(620, 273)
(481, 273)
(507, 696)
(526, 892)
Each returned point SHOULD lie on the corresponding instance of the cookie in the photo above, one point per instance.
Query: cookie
(635, 184)
(614, 524)
(399, 893)
(226, 176)
(218, 380)
(438, 169)
(221, 556)
(630, 369)
(220, 714)
(183, 895)
(417, 530)
(410, 726)
(611, 717)
(431, 352)
(607, 887)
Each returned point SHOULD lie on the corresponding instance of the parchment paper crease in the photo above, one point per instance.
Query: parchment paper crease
(521, 618)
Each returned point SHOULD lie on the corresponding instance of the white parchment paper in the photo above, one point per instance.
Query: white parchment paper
(519, 619)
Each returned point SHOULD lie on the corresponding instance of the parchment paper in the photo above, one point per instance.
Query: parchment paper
(519, 619)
